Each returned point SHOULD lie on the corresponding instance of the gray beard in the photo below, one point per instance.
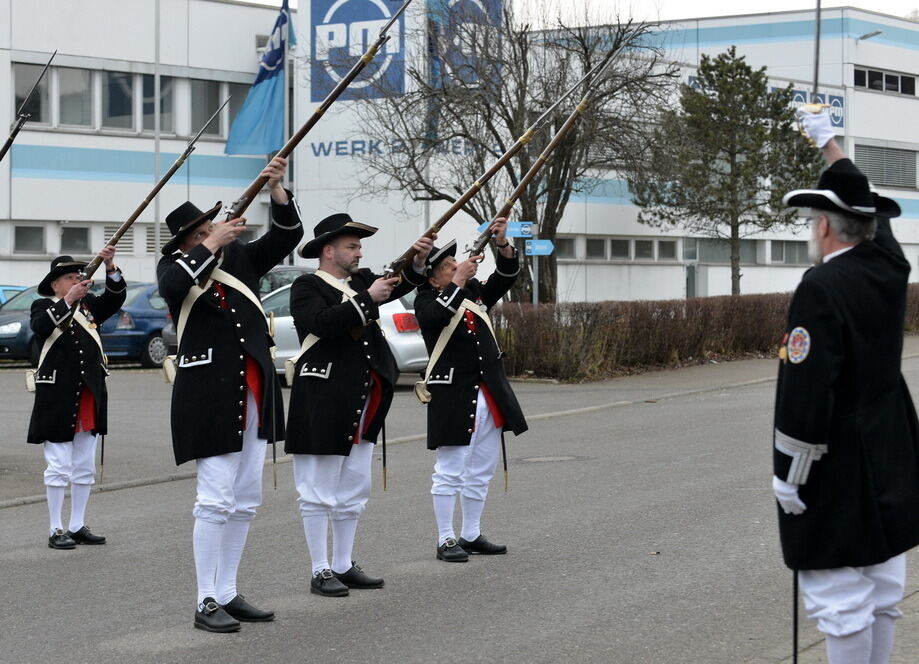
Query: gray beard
(813, 251)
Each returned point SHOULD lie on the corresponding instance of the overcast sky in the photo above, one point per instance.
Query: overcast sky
(673, 9)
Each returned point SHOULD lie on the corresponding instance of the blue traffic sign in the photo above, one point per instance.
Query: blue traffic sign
(514, 228)
(539, 247)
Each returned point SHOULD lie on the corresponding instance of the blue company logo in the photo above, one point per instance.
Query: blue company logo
(835, 102)
(342, 32)
(456, 30)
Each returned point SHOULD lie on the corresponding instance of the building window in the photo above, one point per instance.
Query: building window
(719, 251)
(205, 99)
(873, 79)
(690, 249)
(790, 252)
(596, 248)
(644, 250)
(29, 240)
(75, 95)
(117, 100)
(887, 166)
(666, 250)
(564, 247)
(238, 93)
(38, 107)
(620, 250)
(166, 103)
(74, 240)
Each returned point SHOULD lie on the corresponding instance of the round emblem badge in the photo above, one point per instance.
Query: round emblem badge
(799, 345)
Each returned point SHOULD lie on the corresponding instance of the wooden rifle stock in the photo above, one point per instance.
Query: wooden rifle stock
(242, 203)
(481, 242)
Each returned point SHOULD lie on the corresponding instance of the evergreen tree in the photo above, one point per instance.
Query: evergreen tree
(719, 164)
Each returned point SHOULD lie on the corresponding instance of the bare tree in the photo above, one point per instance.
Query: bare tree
(479, 86)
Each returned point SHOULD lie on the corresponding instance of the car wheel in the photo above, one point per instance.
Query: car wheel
(34, 352)
(154, 351)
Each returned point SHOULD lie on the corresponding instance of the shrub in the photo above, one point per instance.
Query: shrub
(580, 341)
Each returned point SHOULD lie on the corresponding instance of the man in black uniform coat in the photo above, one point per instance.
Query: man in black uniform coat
(472, 403)
(341, 392)
(846, 447)
(71, 402)
(226, 400)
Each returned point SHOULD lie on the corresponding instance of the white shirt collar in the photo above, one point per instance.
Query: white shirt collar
(830, 256)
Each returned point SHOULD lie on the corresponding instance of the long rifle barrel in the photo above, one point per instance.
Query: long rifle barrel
(22, 116)
(94, 264)
(397, 266)
(596, 72)
(240, 204)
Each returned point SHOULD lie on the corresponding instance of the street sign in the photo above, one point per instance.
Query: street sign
(539, 247)
(514, 228)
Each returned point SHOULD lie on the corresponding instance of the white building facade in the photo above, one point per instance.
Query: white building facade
(87, 158)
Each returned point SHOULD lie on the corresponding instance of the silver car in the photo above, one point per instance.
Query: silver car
(397, 320)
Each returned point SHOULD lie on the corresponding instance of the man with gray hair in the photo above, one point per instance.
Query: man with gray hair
(846, 441)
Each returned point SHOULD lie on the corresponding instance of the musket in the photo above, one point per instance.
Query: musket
(22, 115)
(814, 106)
(240, 204)
(94, 264)
(397, 266)
(481, 242)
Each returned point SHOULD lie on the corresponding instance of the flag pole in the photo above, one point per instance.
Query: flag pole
(286, 134)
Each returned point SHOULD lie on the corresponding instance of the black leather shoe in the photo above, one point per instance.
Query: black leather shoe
(325, 583)
(482, 547)
(83, 536)
(240, 609)
(60, 540)
(355, 578)
(451, 552)
(212, 618)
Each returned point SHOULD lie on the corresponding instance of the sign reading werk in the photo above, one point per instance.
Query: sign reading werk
(342, 32)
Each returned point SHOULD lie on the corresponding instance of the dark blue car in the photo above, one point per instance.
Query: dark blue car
(135, 332)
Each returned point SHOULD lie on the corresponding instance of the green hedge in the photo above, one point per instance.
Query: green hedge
(594, 340)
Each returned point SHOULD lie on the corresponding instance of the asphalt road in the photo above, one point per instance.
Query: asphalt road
(639, 521)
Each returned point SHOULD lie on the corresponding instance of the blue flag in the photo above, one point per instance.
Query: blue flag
(259, 125)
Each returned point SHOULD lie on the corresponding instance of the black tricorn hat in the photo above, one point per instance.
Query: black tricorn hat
(438, 254)
(330, 228)
(59, 267)
(843, 188)
(183, 220)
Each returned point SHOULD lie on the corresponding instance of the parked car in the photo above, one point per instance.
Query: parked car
(16, 338)
(282, 275)
(7, 292)
(136, 331)
(397, 321)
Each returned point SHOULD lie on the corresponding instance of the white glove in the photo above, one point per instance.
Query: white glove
(787, 495)
(817, 126)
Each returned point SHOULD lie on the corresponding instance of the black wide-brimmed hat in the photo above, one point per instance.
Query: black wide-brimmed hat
(59, 267)
(438, 254)
(183, 220)
(330, 228)
(844, 188)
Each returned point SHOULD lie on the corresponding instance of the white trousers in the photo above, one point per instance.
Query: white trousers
(846, 600)
(230, 485)
(333, 485)
(71, 463)
(467, 469)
